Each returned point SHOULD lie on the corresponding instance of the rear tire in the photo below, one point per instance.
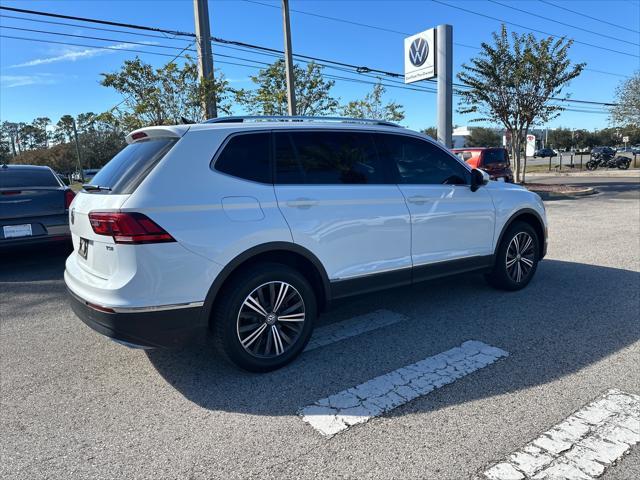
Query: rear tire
(516, 259)
(248, 338)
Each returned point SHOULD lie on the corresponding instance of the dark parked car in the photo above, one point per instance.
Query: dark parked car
(34, 205)
(545, 152)
(494, 161)
(606, 151)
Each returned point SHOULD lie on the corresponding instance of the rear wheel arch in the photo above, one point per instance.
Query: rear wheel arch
(531, 217)
(285, 253)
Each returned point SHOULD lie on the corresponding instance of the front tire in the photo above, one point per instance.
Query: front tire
(591, 165)
(265, 317)
(516, 259)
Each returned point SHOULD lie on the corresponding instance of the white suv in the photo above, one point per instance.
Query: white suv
(248, 227)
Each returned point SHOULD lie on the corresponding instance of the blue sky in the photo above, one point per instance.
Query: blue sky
(46, 79)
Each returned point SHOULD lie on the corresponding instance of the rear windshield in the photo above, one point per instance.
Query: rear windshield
(129, 168)
(495, 156)
(20, 178)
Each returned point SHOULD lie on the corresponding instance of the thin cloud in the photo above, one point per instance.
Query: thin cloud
(73, 55)
(12, 81)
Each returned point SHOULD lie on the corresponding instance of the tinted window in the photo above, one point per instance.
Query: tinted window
(495, 156)
(327, 158)
(26, 177)
(247, 156)
(128, 169)
(420, 162)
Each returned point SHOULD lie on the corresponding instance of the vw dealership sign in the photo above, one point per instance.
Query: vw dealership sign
(419, 56)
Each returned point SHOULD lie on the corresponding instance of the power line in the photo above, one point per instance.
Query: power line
(174, 33)
(532, 29)
(562, 23)
(599, 20)
(326, 62)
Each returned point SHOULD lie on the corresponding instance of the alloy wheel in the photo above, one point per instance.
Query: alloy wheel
(271, 320)
(520, 257)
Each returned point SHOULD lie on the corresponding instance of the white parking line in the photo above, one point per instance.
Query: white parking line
(381, 394)
(354, 326)
(580, 447)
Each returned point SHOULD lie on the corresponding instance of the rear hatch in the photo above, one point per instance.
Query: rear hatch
(26, 195)
(99, 253)
(495, 161)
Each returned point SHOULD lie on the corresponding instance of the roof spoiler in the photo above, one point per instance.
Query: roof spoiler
(145, 133)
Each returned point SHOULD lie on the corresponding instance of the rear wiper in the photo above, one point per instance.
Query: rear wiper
(88, 187)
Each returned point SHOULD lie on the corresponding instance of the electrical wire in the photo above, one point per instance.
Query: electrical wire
(532, 29)
(563, 23)
(599, 20)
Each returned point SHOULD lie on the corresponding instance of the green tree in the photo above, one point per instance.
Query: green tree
(512, 82)
(313, 92)
(161, 96)
(561, 138)
(431, 131)
(41, 135)
(373, 106)
(63, 131)
(483, 137)
(627, 110)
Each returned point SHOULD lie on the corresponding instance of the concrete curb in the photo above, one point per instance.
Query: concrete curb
(585, 173)
(566, 196)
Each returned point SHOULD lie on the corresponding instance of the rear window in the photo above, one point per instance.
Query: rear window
(495, 156)
(22, 177)
(128, 169)
(247, 156)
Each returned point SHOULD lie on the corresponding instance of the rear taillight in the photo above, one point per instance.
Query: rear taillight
(68, 198)
(128, 227)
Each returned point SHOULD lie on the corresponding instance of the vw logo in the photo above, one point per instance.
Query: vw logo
(418, 52)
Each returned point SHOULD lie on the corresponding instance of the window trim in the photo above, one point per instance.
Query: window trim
(231, 136)
(385, 168)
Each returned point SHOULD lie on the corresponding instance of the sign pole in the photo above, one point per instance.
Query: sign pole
(444, 65)
(288, 59)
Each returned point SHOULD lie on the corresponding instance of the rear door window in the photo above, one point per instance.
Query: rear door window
(247, 156)
(327, 157)
(27, 177)
(129, 168)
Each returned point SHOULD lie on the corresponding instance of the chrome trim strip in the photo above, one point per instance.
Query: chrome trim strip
(157, 308)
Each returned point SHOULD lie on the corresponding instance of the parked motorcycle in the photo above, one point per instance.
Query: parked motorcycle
(604, 160)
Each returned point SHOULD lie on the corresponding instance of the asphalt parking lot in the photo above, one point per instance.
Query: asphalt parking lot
(76, 405)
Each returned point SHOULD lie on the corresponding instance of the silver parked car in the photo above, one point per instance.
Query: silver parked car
(34, 206)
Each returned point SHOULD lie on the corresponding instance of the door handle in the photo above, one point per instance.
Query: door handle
(418, 199)
(303, 203)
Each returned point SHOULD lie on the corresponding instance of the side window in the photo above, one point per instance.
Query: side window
(417, 161)
(305, 157)
(247, 156)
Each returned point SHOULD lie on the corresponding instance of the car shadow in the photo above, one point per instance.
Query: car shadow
(570, 316)
(34, 262)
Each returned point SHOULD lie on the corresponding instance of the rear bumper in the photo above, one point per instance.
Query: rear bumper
(166, 327)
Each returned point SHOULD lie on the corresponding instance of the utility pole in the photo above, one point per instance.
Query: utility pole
(444, 64)
(205, 55)
(75, 136)
(288, 60)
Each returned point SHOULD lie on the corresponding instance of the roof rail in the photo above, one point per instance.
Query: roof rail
(299, 118)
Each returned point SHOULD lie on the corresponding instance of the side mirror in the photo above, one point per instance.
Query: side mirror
(478, 179)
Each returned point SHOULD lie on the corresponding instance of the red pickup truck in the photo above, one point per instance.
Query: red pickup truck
(493, 160)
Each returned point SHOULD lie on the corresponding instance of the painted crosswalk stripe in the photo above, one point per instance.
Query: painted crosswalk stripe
(379, 395)
(580, 447)
(354, 326)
